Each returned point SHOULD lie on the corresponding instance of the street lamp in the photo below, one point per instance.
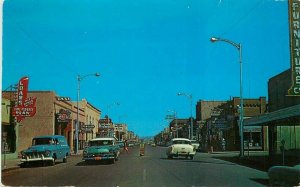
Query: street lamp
(79, 78)
(191, 133)
(239, 47)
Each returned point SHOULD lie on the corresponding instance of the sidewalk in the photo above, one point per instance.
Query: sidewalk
(256, 159)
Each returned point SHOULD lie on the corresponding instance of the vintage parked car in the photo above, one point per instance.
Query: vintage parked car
(284, 176)
(181, 147)
(46, 149)
(120, 144)
(102, 149)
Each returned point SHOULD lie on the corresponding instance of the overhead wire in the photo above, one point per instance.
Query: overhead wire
(43, 48)
(242, 18)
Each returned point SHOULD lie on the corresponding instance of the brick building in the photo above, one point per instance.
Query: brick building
(220, 119)
(53, 116)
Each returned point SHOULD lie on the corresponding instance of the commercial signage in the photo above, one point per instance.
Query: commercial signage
(294, 26)
(63, 98)
(63, 115)
(221, 124)
(87, 128)
(105, 121)
(25, 106)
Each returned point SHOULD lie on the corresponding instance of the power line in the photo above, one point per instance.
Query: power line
(243, 17)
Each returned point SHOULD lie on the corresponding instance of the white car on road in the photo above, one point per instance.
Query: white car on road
(181, 147)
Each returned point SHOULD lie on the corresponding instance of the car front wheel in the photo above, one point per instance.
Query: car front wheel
(112, 161)
(65, 159)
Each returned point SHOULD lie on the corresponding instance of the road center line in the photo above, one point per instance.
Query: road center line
(144, 175)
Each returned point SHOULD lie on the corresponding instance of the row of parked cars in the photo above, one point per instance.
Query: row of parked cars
(49, 149)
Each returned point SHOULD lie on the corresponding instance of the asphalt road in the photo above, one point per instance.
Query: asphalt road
(133, 170)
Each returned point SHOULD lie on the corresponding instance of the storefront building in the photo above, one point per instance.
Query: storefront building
(54, 115)
(283, 119)
(9, 131)
(220, 120)
(89, 127)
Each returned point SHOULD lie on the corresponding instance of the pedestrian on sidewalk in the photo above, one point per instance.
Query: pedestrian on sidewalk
(223, 143)
(126, 146)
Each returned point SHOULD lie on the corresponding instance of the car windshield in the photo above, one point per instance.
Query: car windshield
(100, 142)
(42, 141)
(181, 142)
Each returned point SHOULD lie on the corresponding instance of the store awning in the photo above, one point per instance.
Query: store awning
(281, 114)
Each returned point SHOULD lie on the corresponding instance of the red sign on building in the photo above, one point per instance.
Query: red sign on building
(25, 107)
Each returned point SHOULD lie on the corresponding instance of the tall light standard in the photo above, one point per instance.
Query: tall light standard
(191, 133)
(79, 78)
(239, 47)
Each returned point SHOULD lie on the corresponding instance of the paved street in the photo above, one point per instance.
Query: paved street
(153, 169)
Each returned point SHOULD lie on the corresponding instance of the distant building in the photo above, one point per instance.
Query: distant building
(106, 127)
(121, 130)
(89, 128)
(220, 119)
(204, 109)
(181, 127)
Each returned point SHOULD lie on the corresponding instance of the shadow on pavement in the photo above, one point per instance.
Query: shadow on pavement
(37, 164)
(206, 162)
(83, 163)
(261, 181)
(258, 162)
(197, 161)
(262, 163)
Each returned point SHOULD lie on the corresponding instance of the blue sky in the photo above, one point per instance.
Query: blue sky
(146, 52)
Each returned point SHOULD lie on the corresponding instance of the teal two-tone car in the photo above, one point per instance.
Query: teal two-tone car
(46, 149)
(101, 149)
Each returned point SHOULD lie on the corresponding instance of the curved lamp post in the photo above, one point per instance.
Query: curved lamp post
(189, 96)
(239, 47)
(79, 78)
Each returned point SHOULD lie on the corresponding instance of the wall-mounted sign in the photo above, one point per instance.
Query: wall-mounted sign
(63, 115)
(294, 26)
(63, 98)
(25, 107)
(105, 121)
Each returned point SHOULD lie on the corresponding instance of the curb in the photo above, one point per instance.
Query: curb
(10, 168)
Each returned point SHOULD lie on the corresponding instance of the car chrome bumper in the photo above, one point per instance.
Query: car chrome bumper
(36, 159)
(182, 154)
(98, 158)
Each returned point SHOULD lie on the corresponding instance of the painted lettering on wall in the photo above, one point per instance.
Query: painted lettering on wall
(294, 24)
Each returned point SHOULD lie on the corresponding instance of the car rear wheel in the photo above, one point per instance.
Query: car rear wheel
(65, 159)
(191, 157)
(52, 163)
(25, 164)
